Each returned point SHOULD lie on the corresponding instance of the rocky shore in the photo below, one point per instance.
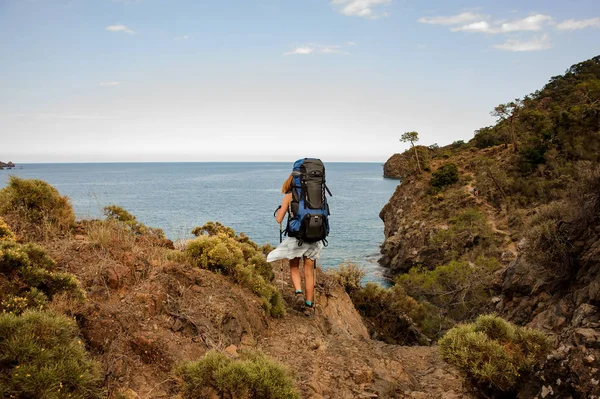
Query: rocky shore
(9, 165)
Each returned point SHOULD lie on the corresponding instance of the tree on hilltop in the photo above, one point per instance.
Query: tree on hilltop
(412, 138)
(509, 112)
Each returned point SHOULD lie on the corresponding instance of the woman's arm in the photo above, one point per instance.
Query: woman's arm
(285, 204)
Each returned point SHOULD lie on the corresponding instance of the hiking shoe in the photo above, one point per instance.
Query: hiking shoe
(309, 310)
(299, 300)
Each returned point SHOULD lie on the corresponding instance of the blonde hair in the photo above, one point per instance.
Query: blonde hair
(287, 185)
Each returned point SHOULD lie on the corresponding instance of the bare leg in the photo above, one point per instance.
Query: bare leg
(295, 273)
(309, 265)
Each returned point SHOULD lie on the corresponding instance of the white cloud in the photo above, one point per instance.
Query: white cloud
(481, 24)
(119, 28)
(108, 84)
(535, 44)
(571, 24)
(184, 37)
(531, 23)
(463, 18)
(320, 49)
(300, 50)
(360, 8)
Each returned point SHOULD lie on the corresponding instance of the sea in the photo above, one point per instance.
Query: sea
(177, 197)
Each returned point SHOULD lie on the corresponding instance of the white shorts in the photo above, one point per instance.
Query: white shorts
(289, 249)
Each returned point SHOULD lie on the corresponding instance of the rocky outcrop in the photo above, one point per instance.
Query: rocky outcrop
(402, 166)
(412, 219)
(8, 165)
(566, 308)
(563, 302)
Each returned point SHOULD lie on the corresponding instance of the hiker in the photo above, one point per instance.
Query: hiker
(476, 192)
(307, 224)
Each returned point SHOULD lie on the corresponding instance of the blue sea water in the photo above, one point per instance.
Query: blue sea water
(179, 196)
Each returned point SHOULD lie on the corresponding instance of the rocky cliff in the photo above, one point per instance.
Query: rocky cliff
(536, 215)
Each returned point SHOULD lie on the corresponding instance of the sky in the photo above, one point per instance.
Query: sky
(270, 80)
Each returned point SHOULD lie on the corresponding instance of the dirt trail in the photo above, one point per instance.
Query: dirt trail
(492, 215)
(333, 357)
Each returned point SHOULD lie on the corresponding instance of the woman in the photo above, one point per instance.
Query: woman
(293, 249)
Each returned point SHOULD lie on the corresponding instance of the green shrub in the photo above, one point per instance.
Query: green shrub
(5, 232)
(396, 318)
(41, 356)
(28, 279)
(219, 249)
(348, 275)
(212, 229)
(460, 289)
(114, 212)
(445, 175)
(37, 203)
(494, 353)
(554, 235)
(467, 231)
(253, 375)
(547, 241)
(489, 137)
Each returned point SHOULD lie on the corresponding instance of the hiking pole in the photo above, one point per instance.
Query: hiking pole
(280, 241)
(280, 233)
(315, 289)
(280, 228)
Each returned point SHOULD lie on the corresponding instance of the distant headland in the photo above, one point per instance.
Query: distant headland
(8, 165)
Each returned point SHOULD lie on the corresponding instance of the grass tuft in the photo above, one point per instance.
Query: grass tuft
(114, 212)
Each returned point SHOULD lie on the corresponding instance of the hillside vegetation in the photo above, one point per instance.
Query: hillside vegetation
(527, 246)
(112, 309)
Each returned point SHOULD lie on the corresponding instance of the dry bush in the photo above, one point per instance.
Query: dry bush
(219, 249)
(251, 376)
(396, 318)
(555, 234)
(35, 208)
(348, 275)
(494, 353)
(108, 234)
(114, 212)
(547, 240)
(468, 231)
(459, 289)
(42, 356)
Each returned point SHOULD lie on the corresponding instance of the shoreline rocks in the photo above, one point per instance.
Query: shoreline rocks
(9, 165)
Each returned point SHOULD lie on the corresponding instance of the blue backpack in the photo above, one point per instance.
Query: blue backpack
(308, 215)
